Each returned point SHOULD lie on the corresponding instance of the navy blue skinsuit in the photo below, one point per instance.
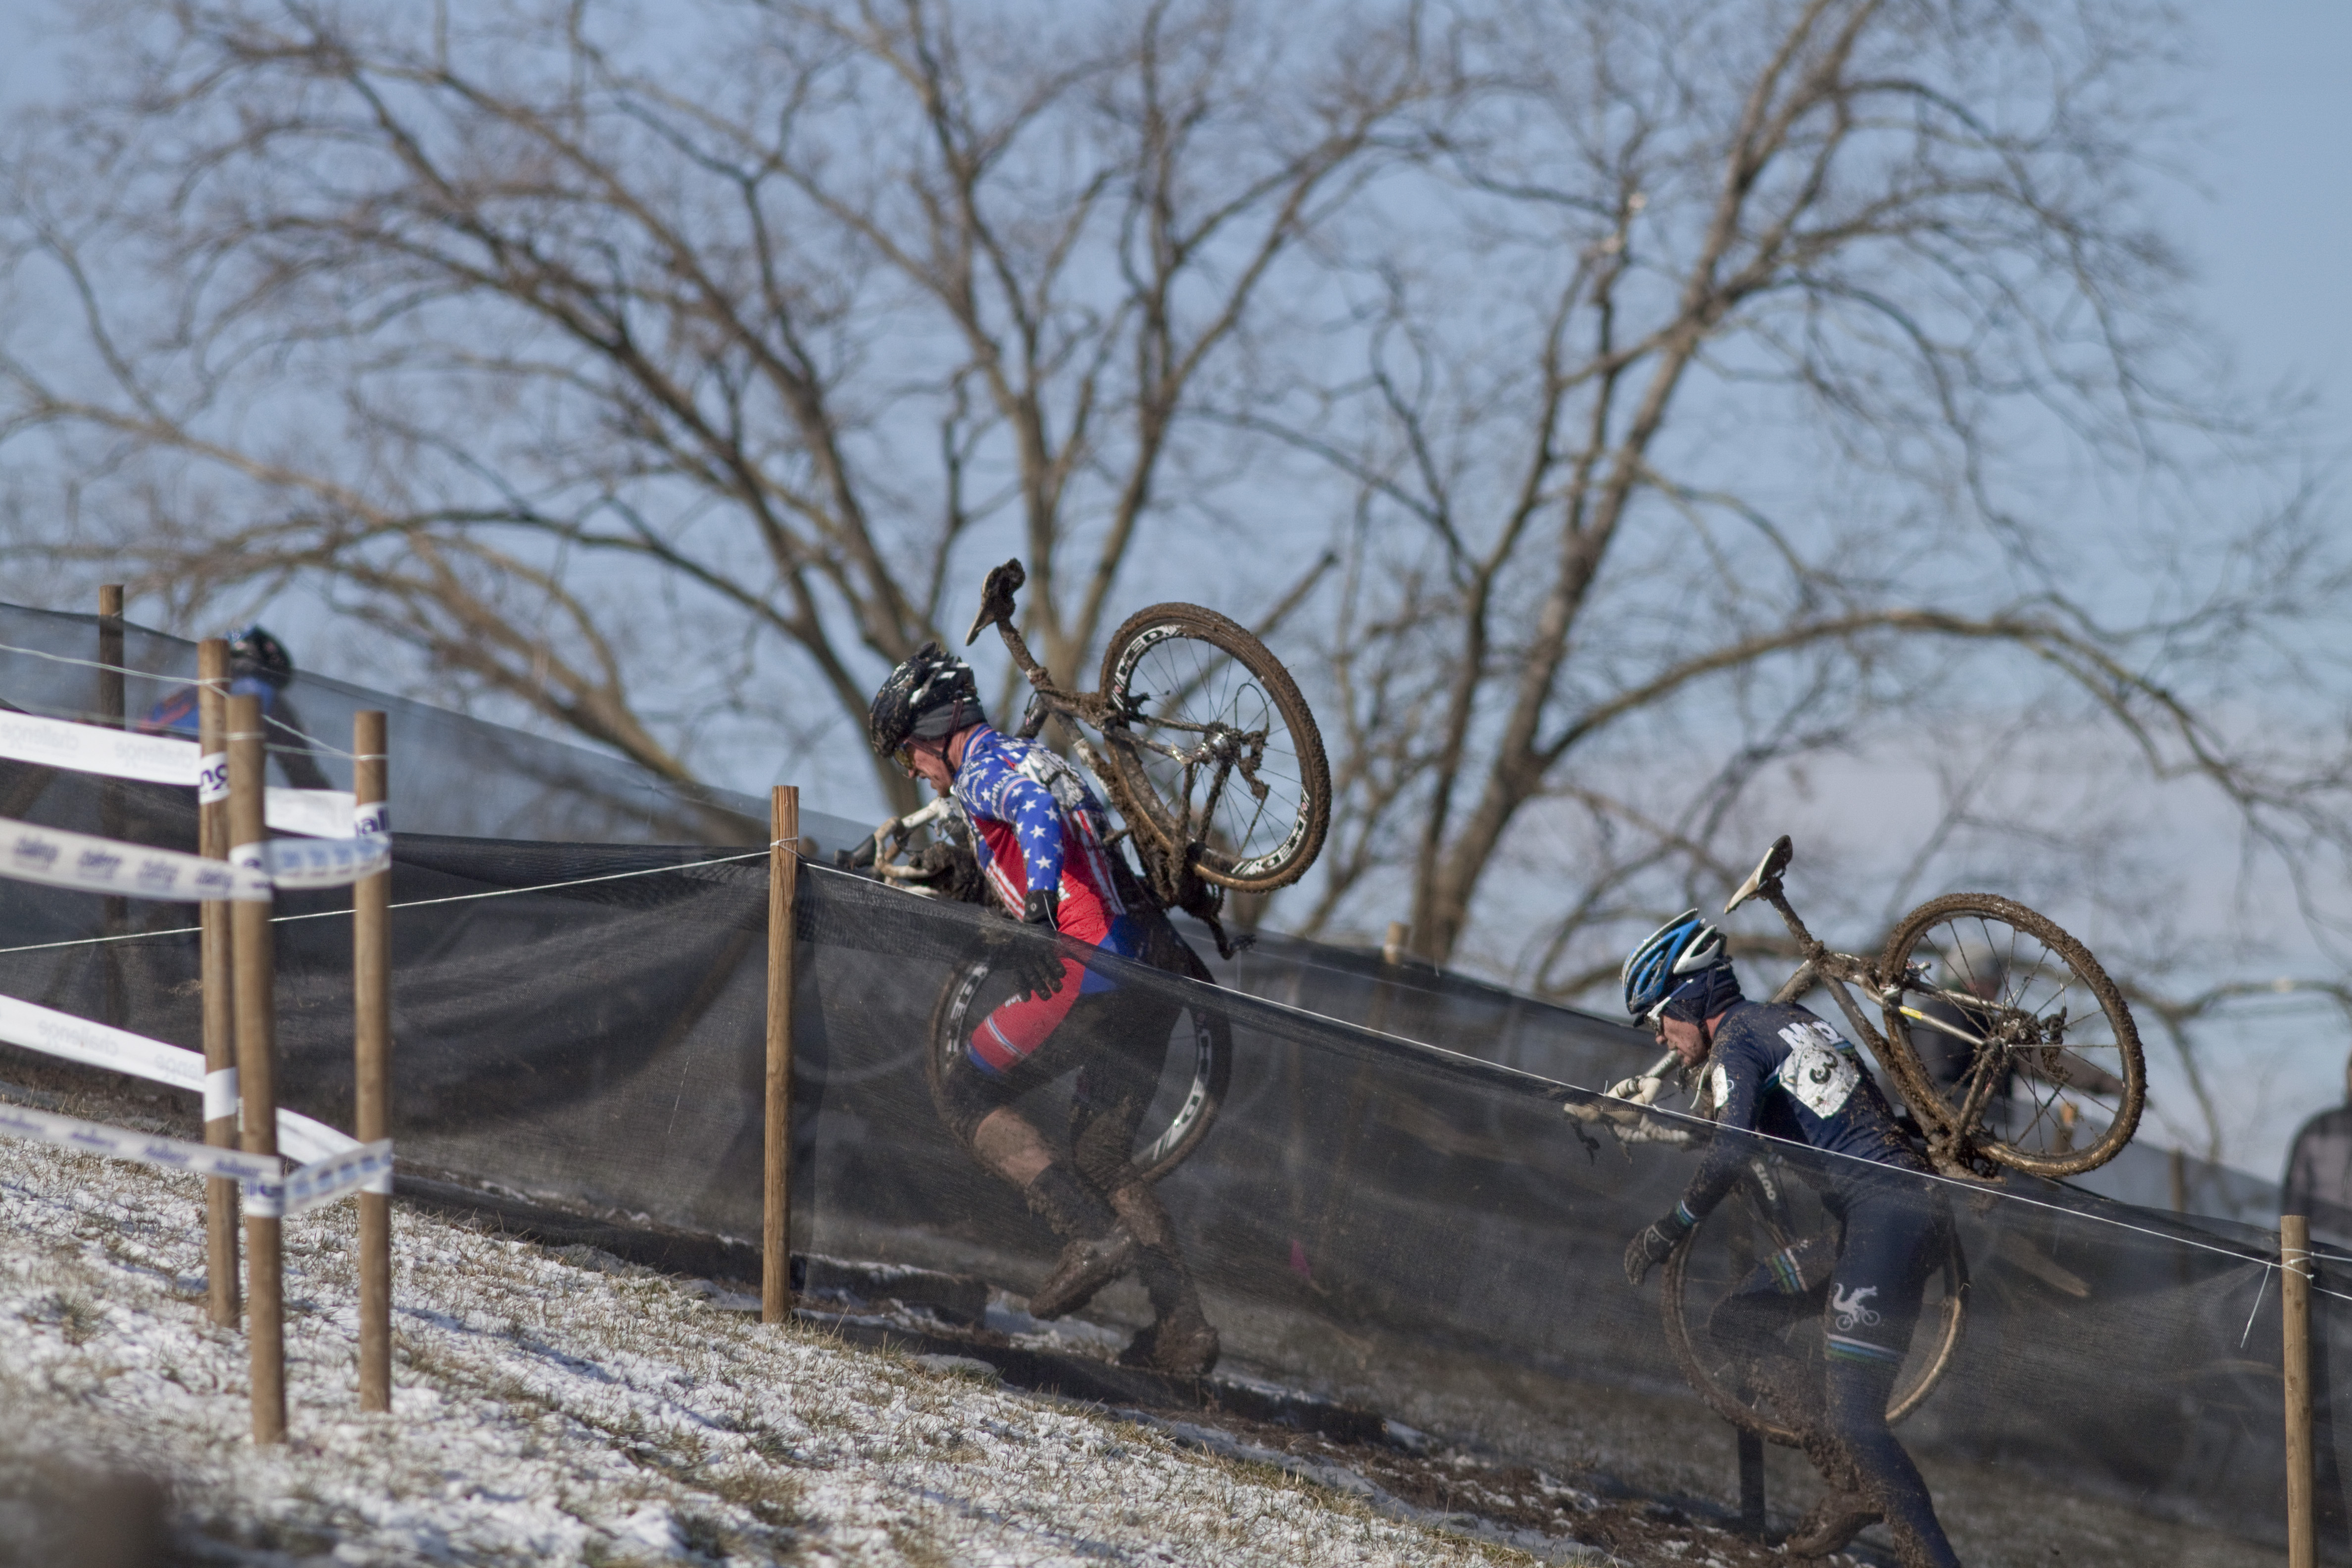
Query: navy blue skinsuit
(1782, 1072)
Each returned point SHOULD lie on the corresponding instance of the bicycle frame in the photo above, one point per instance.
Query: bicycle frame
(1169, 869)
(1946, 1134)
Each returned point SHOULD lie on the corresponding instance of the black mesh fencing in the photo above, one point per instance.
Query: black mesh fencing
(1382, 1221)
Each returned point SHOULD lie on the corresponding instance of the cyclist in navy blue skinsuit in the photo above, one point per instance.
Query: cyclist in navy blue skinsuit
(1780, 1071)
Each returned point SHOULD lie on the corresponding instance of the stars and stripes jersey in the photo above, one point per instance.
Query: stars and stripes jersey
(175, 714)
(1036, 825)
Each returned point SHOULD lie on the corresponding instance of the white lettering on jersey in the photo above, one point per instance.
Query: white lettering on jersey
(1819, 1071)
(1722, 1085)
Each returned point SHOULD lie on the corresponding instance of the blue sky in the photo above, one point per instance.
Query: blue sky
(2272, 234)
(2264, 216)
(2270, 229)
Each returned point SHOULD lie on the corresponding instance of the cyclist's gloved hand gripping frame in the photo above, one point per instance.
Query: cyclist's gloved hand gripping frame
(1037, 968)
(1653, 1244)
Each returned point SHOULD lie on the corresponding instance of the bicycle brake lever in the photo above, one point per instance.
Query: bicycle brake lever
(996, 598)
(1032, 722)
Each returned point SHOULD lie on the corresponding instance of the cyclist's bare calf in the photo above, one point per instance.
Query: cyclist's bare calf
(1009, 1145)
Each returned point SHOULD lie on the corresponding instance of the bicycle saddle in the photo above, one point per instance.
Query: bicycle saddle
(1768, 871)
(996, 599)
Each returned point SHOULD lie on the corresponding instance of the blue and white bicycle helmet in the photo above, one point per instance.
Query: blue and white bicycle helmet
(1667, 959)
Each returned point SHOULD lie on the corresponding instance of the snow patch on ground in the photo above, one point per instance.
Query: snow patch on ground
(564, 1407)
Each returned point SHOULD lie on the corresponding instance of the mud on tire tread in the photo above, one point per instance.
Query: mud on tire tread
(1908, 1067)
(1154, 815)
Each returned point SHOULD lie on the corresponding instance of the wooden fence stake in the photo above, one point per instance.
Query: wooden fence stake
(257, 1067)
(776, 1207)
(109, 654)
(220, 1011)
(372, 990)
(2294, 1316)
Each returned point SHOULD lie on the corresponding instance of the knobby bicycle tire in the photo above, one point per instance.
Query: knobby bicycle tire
(1919, 1377)
(1938, 1107)
(952, 1021)
(1163, 821)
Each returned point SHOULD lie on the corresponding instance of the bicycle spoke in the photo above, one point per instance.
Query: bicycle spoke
(1198, 696)
(2037, 1063)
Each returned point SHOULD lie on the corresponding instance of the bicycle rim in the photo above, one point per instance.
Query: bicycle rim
(1181, 674)
(1935, 1344)
(1205, 1036)
(2022, 1043)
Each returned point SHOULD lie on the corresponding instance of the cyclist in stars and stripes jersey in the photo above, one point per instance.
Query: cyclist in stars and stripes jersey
(258, 666)
(1780, 1071)
(1040, 835)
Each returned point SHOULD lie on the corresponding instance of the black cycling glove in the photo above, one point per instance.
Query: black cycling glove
(1651, 1248)
(1036, 966)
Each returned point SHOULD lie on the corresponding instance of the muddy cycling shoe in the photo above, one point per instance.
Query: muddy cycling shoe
(1837, 1518)
(1181, 1346)
(1087, 1264)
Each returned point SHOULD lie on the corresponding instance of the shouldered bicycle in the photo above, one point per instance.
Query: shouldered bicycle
(1210, 758)
(2000, 1030)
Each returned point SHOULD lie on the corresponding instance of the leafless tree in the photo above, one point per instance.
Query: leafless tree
(588, 349)
(1749, 406)
(1696, 396)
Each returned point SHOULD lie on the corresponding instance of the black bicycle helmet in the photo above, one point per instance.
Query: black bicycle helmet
(928, 697)
(254, 652)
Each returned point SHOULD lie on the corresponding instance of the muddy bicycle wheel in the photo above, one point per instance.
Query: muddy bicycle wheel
(2025, 1042)
(1216, 748)
(1740, 1235)
(1201, 1040)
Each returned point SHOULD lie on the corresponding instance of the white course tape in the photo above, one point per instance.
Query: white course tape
(39, 1028)
(303, 863)
(94, 1044)
(92, 865)
(165, 760)
(265, 1200)
(220, 1094)
(320, 813)
(350, 1171)
(94, 1138)
(91, 748)
(301, 1138)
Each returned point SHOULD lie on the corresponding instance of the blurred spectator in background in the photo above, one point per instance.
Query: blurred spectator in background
(258, 666)
(2319, 1173)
